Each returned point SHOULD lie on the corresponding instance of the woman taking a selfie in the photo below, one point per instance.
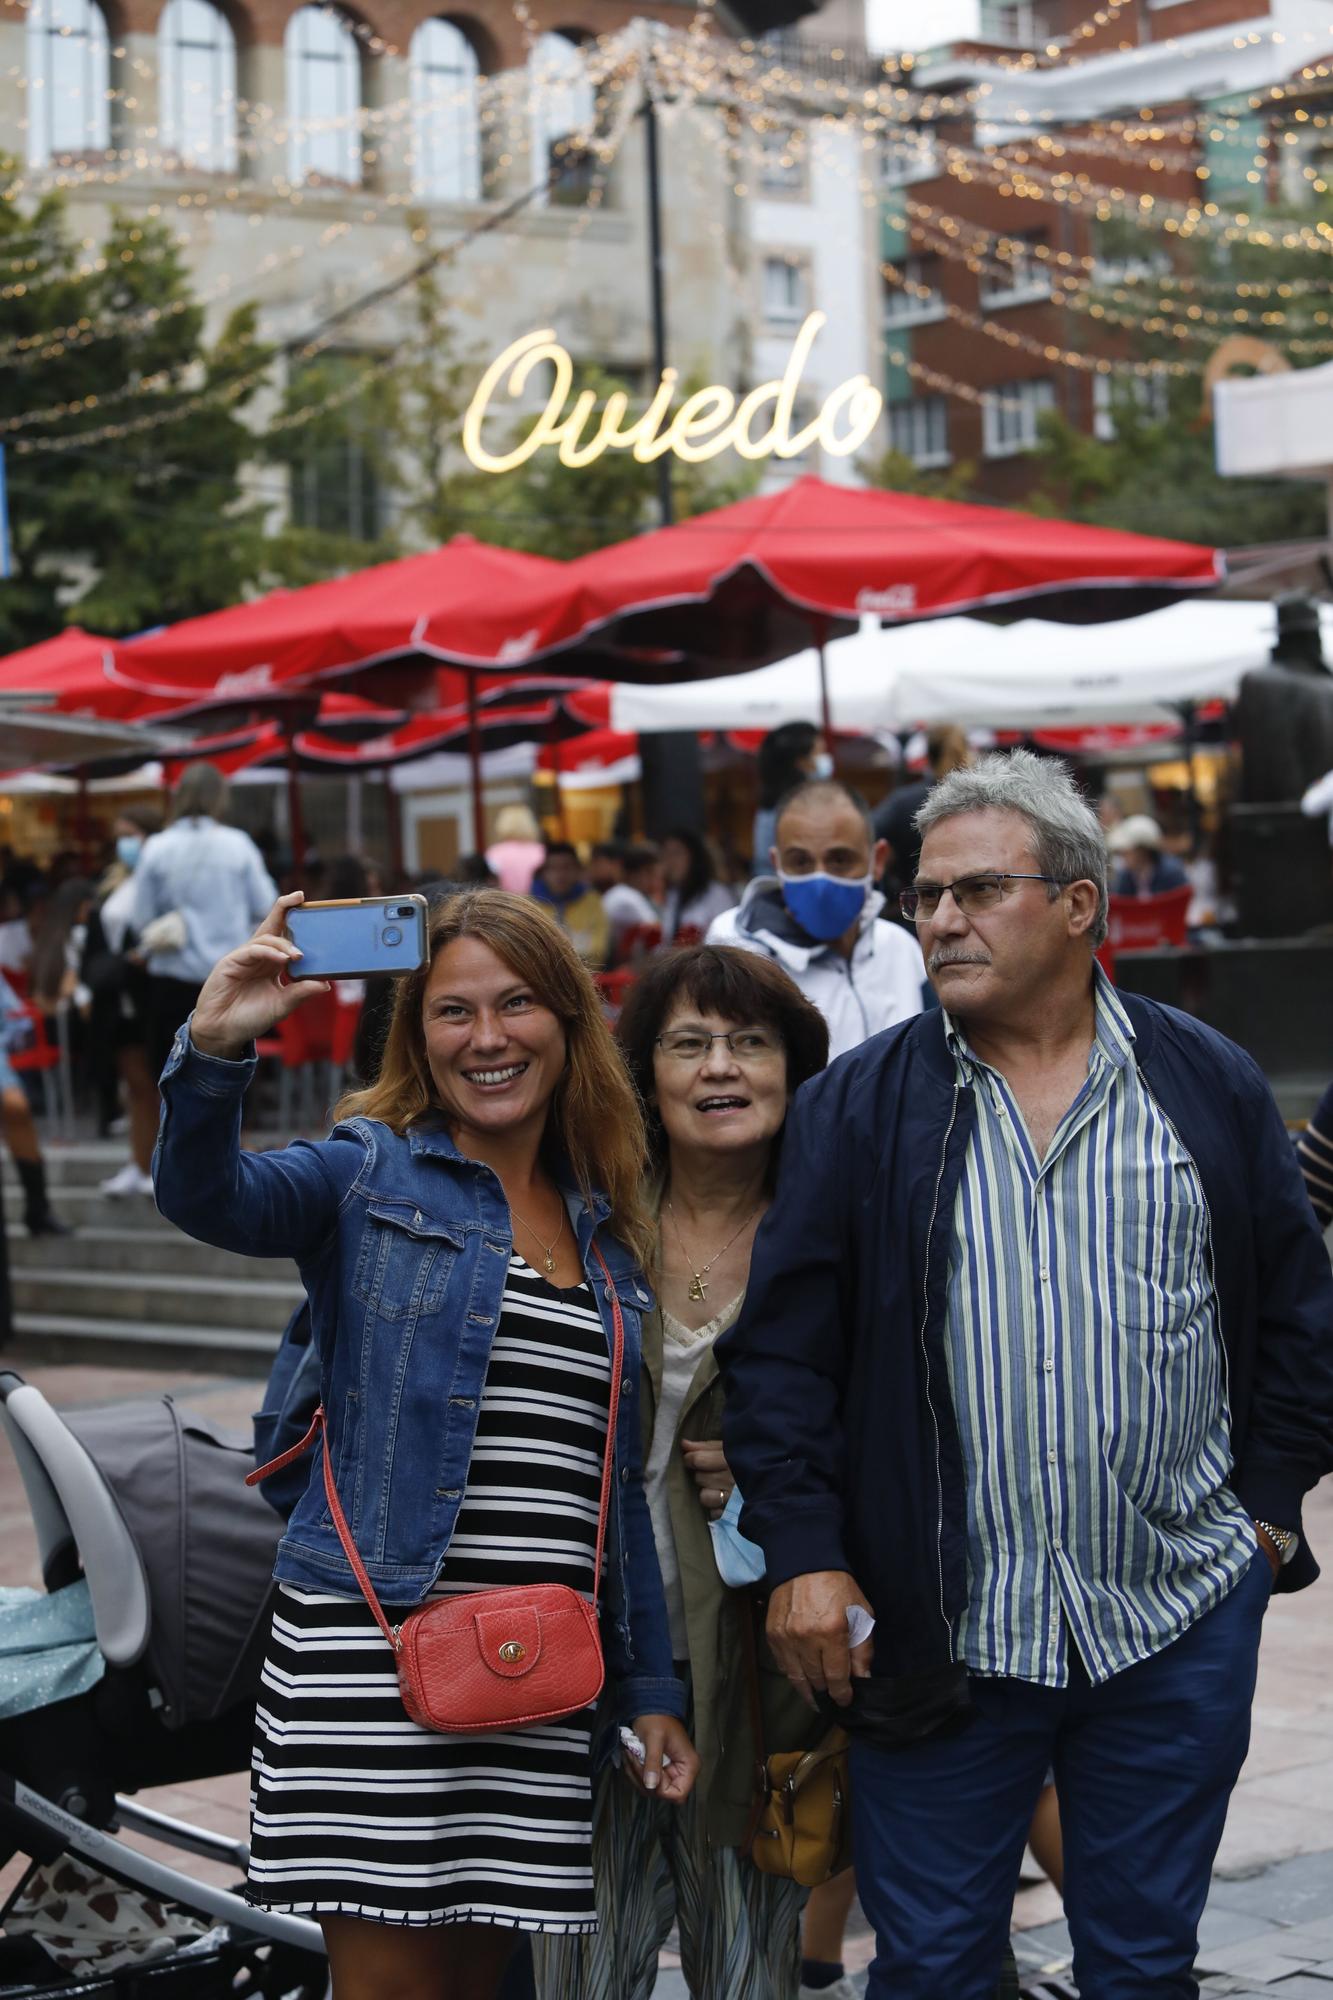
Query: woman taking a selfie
(470, 1238)
(717, 1040)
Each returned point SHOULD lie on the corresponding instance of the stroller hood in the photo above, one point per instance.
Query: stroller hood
(207, 1542)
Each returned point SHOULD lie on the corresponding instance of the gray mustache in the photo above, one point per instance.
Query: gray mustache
(938, 959)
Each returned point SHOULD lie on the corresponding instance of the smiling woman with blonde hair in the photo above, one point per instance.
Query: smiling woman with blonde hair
(468, 1235)
(517, 851)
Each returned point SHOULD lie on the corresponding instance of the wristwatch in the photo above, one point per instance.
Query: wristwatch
(1285, 1540)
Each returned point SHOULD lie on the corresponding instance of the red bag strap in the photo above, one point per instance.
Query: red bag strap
(613, 1414)
(320, 1424)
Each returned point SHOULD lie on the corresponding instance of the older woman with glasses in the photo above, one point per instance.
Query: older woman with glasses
(717, 1040)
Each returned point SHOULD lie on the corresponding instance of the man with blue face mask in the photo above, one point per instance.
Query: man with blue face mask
(818, 916)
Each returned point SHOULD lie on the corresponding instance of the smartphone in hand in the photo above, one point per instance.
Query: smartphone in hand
(363, 935)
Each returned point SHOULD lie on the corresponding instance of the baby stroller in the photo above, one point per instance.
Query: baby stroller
(145, 1503)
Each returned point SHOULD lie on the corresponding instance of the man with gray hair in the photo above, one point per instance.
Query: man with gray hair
(1034, 1370)
(199, 890)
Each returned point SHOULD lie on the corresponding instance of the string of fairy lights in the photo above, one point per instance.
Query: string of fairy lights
(28, 350)
(1073, 358)
(749, 95)
(239, 387)
(1001, 259)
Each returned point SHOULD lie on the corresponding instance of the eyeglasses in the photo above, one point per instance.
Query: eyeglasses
(747, 1045)
(973, 894)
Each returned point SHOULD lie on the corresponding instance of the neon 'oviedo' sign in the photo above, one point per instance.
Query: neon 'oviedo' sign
(709, 421)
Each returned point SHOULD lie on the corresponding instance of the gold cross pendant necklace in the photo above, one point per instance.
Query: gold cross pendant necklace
(698, 1286)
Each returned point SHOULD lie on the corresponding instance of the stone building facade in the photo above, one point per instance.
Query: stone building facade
(299, 147)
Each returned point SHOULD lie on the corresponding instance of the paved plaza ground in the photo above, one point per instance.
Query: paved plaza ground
(1268, 1930)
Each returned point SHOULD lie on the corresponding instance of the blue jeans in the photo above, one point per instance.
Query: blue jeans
(1145, 1765)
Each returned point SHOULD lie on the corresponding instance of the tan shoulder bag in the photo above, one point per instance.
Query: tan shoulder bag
(801, 1824)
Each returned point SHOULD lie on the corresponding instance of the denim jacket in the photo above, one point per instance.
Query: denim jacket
(403, 1246)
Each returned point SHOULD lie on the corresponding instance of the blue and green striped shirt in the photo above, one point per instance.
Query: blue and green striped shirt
(1088, 1378)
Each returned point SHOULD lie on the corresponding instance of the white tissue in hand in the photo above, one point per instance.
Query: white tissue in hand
(634, 1744)
(860, 1624)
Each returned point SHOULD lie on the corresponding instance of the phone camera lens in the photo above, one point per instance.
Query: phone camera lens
(393, 935)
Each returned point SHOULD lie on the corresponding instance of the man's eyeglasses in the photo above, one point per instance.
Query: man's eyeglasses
(973, 894)
(747, 1045)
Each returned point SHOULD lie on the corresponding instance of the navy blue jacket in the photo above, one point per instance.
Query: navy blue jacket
(839, 1423)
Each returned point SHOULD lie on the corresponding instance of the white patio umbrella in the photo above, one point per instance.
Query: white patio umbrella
(32, 735)
(1029, 675)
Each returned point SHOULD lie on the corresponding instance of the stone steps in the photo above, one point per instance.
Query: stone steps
(258, 1305)
(83, 1163)
(82, 1204)
(118, 1343)
(160, 1249)
(128, 1288)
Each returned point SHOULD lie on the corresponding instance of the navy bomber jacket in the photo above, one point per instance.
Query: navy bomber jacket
(839, 1424)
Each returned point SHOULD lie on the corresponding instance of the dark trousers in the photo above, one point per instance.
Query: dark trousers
(1144, 1766)
(170, 1001)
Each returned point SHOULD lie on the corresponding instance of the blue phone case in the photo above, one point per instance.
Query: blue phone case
(355, 939)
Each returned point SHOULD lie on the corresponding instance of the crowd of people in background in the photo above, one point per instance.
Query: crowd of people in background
(111, 954)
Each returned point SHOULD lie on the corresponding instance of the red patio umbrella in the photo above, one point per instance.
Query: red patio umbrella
(464, 602)
(382, 630)
(495, 724)
(69, 671)
(757, 581)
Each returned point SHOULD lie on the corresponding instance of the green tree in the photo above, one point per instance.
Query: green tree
(150, 523)
(1158, 474)
(337, 435)
(897, 473)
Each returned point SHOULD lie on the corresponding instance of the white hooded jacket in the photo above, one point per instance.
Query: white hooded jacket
(882, 982)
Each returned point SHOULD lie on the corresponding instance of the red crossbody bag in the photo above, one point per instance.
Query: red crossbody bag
(491, 1659)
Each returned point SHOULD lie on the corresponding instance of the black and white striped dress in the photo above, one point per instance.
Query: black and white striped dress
(355, 1809)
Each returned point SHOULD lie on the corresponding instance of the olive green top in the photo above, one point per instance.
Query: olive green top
(720, 1722)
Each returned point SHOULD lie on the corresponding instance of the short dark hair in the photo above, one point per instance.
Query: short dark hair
(781, 757)
(609, 850)
(642, 854)
(554, 847)
(476, 871)
(737, 985)
(811, 789)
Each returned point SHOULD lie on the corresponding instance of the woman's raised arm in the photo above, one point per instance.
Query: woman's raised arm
(247, 993)
(282, 1203)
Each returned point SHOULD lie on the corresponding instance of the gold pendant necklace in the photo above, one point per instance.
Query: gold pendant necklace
(698, 1288)
(548, 1261)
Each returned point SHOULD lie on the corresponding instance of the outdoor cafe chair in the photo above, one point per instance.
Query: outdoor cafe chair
(47, 1056)
(1143, 923)
(313, 1050)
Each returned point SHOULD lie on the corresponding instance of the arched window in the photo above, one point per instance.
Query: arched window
(563, 103)
(69, 77)
(446, 133)
(323, 97)
(196, 59)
